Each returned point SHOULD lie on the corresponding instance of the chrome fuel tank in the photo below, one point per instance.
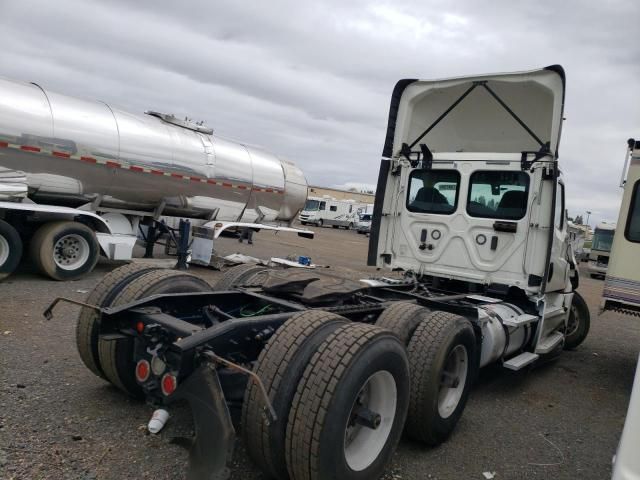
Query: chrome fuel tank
(74, 151)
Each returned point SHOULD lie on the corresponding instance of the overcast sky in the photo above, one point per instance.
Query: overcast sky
(312, 81)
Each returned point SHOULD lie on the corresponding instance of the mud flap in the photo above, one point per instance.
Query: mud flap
(215, 435)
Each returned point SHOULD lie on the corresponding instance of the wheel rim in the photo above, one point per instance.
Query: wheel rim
(4, 250)
(71, 252)
(453, 381)
(573, 323)
(375, 405)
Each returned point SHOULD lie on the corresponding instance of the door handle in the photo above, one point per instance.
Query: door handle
(508, 227)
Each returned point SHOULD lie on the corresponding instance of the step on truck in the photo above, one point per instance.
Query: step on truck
(327, 373)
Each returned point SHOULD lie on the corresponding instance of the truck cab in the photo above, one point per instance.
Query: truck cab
(470, 193)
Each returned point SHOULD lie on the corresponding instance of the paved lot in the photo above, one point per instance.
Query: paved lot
(561, 420)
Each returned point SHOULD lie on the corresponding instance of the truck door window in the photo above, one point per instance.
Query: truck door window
(632, 230)
(323, 206)
(433, 191)
(495, 194)
(560, 207)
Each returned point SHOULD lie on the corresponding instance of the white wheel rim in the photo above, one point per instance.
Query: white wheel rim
(362, 444)
(4, 250)
(452, 381)
(71, 252)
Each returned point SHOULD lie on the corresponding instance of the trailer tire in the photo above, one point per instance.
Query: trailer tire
(117, 356)
(442, 342)
(579, 322)
(103, 294)
(238, 275)
(10, 249)
(402, 319)
(80, 245)
(280, 367)
(357, 366)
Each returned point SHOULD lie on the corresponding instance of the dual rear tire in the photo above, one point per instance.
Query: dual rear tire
(340, 391)
(10, 249)
(113, 359)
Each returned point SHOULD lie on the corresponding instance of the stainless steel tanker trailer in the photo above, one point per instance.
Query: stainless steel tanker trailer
(77, 177)
(326, 373)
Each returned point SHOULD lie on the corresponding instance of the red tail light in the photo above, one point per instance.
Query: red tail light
(168, 384)
(140, 327)
(143, 370)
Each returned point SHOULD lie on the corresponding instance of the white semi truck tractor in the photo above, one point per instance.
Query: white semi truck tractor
(78, 177)
(470, 207)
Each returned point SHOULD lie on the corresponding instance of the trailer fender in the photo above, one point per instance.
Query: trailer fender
(219, 227)
(212, 447)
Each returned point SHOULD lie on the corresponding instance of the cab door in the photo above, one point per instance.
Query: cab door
(559, 262)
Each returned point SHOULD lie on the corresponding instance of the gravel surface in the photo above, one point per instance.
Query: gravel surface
(57, 421)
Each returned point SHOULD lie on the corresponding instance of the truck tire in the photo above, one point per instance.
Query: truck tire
(280, 367)
(402, 319)
(10, 249)
(64, 250)
(320, 223)
(443, 361)
(360, 373)
(350, 226)
(578, 324)
(116, 356)
(237, 276)
(88, 325)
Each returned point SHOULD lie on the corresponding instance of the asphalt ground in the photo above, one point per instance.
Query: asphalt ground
(560, 420)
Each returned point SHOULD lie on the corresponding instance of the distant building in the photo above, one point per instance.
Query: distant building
(314, 191)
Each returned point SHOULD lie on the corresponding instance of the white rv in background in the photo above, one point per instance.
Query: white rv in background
(321, 211)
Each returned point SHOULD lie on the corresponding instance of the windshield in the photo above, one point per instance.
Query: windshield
(365, 218)
(602, 240)
(311, 205)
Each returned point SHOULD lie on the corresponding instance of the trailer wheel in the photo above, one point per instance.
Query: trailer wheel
(238, 275)
(280, 367)
(402, 318)
(64, 250)
(117, 356)
(10, 249)
(102, 295)
(443, 360)
(578, 324)
(347, 415)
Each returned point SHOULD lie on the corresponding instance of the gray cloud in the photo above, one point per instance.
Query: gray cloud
(312, 81)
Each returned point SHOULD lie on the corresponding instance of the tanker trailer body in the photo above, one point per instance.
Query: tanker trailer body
(77, 176)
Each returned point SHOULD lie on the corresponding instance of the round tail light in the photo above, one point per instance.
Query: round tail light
(143, 370)
(168, 384)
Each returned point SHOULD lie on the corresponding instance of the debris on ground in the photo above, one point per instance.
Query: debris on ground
(489, 475)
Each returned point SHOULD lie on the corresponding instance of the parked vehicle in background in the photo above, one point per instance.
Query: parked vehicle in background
(327, 211)
(340, 369)
(621, 294)
(577, 237)
(622, 284)
(363, 225)
(601, 249)
(78, 178)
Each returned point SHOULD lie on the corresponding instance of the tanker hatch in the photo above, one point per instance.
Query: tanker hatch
(186, 123)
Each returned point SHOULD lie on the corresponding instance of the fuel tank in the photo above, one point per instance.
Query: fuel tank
(68, 151)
